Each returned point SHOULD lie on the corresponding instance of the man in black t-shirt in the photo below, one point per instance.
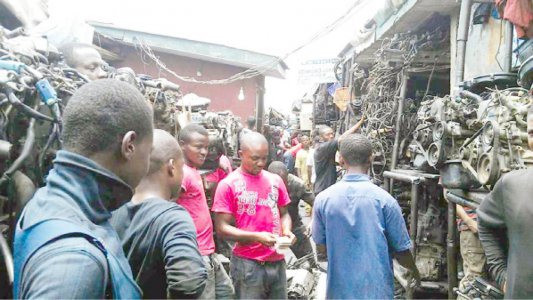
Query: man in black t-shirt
(296, 189)
(159, 236)
(504, 226)
(326, 170)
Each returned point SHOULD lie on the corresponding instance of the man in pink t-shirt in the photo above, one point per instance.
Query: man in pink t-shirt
(255, 201)
(193, 140)
(218, 163)
(221, 172)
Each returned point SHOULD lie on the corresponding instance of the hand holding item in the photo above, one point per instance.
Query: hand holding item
(291, 237)
(413, 278)
(283, 242)
(266, 238)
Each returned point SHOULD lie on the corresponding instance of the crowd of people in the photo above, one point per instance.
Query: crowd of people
(127, 213)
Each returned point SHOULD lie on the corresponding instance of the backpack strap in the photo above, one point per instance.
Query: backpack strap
(31, 239)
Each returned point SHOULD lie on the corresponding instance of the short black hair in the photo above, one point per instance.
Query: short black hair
(100, 113)
(187, 132)
(165, 148)
(356, 150)
(251, 122)
(69, 52)
(279, 168)
(217, 143)
(295, 133)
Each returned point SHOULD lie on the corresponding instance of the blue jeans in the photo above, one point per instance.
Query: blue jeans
(289, 161)
(258, 280)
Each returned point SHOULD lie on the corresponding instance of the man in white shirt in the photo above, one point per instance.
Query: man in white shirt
(311, 161)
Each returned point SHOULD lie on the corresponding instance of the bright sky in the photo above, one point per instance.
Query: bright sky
(272, 27)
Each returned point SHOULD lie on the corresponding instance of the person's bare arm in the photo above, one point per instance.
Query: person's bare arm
(286, 224)
(309, 198)
(405, 259)
(493, 233)
(210, 188)
(321, 252)
(353, 129)
(224, 228)
(471, 223)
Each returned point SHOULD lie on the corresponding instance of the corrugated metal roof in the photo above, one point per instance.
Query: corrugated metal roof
(195, 49)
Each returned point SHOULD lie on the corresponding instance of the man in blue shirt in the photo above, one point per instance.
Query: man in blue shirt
(357, 226)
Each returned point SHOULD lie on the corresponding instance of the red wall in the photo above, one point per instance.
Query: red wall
(223, 97)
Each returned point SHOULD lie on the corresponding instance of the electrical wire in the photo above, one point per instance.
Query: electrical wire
(144, 48)
(381, 88)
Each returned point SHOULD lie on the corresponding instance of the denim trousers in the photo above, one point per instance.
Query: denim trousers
(258, 280)
(289, 161)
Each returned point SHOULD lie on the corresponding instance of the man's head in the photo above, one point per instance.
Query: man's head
(216, 147)
(109, 121)
(305, 141)
(295, 134)
(214, 151)
(251, 122)
(85, 59)
(194, 141)
(279, 168)
(355, 151)
(253, 153)
(166, 162)
(530, 127)
(276, 136)
(326, 134)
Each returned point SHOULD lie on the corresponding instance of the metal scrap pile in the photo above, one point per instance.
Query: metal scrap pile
(379, 88)
(389, 94)
(472, 139)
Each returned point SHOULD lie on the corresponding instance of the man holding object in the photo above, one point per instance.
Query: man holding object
(251, 209)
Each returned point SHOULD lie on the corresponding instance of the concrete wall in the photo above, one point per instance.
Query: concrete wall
(484, 49)
(223, 97)
(454, 20)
